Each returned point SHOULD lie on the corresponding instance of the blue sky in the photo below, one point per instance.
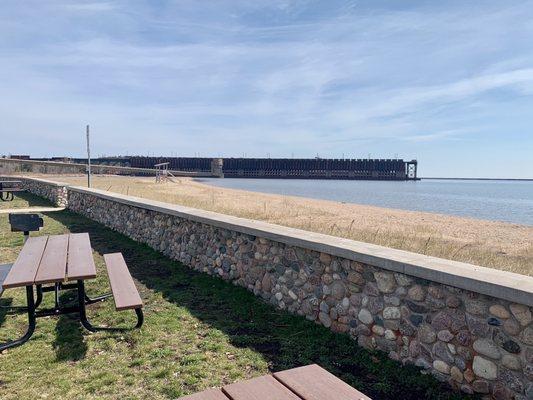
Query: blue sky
(449, 83)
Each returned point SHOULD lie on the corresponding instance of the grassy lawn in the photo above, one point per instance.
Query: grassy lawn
(199, 332)
(25, 200)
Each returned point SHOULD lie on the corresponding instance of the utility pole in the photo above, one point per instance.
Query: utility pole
(88, 160)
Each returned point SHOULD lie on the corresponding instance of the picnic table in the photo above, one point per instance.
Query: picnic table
(311, 382)
(65, 262)
(8, 188)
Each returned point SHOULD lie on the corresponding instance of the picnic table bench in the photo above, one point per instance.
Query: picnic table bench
(8, 188)
(60, 260)
(311, 382)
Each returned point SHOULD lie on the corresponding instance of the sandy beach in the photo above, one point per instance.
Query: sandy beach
(487, 243)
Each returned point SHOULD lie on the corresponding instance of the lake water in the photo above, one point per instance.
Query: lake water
(509, 201)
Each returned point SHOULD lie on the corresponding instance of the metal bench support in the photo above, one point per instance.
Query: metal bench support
(90, 327)
(31, 322)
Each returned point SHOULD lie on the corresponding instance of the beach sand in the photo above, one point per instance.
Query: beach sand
(487, 243)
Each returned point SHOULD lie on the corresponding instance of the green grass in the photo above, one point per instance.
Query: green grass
(24, 200)
(199, 332)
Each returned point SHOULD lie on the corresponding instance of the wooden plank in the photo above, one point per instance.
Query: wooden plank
(262, 388)
(315, 383)
(80, 262)
(53, 267)
(124, 291)
(25, 267)
(211, 394)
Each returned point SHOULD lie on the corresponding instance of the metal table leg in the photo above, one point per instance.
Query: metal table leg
(90, 327)
(20, 309)
(31, 322)
(7, 196)
(39, 295)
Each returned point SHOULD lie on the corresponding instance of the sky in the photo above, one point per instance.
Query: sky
(449, 83)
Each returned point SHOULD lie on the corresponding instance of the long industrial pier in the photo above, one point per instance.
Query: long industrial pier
(279, 168)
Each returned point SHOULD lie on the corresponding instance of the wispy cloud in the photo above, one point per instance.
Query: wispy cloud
(97, 6)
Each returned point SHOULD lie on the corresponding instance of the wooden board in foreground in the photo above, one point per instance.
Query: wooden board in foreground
(262, 388)
(211, 394)
(313, 382)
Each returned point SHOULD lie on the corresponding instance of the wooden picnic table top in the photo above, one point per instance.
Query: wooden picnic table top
(311, 382)
(52, 259)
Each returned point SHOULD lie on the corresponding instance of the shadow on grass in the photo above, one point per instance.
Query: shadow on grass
(69, 343)
(33, 200)
(4, 303)
(4, 309)
(285, 340)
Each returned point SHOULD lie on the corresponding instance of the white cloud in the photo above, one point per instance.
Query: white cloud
(98, 6)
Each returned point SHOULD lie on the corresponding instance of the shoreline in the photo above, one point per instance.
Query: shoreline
(497, 210)
(479, 179)
(495, 244)
(202, 182)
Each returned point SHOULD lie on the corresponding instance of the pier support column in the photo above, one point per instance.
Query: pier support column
(216, 167)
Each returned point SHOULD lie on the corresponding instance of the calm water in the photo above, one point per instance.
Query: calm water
(509, 201)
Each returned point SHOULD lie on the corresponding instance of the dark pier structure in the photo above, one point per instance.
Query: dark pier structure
(275, 168)
(298, 168)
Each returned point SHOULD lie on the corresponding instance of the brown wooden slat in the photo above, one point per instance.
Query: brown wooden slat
(25, 267)
(211, 394)
(124, 291)
(80, 263)
(262, 388)
(315, 383)
(53, 267)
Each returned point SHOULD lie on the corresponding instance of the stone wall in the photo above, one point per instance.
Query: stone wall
(470, 326)
(16, 166)
(56, 192)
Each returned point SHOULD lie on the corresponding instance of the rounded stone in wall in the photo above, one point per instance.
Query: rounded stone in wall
(511, 362)
(521, 313)
(385, 282)
(365, 316)
(426, 334)
(484, 368)
(487, 348)
(416, 293)
(441, 366)
(499, 311)
(527, 336)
